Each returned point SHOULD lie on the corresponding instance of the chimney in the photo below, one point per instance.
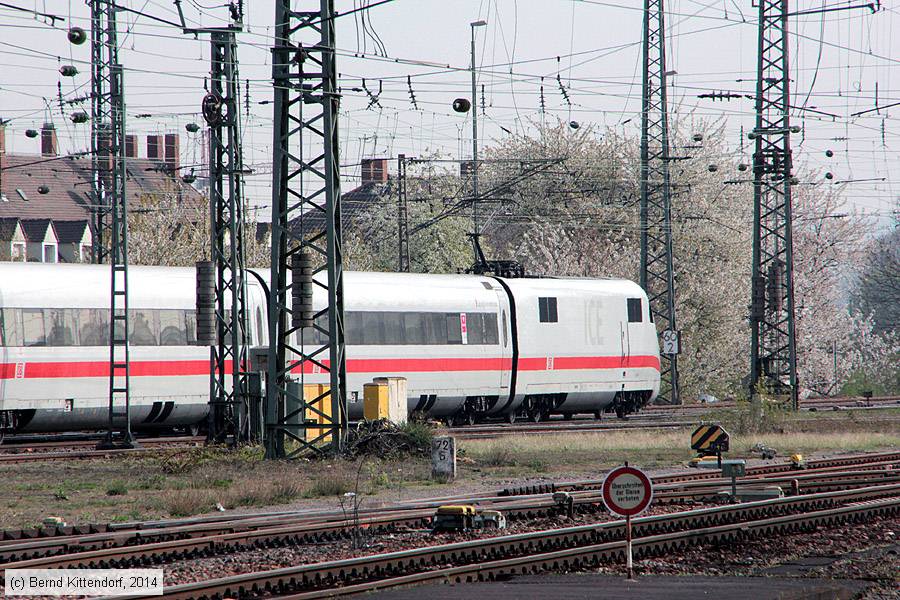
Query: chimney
(374, 170)
(154, 147)
(48, 140)
(131, 149)
(2, 136)
(173, 151)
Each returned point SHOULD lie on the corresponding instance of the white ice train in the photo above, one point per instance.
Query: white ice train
(471, 347)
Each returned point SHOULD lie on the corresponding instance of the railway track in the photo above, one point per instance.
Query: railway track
(564, 549)
(11, 453)
(163, 541)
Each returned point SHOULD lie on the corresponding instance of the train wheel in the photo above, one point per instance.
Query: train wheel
(568, 416)
(620, 412)
(448, 421)
(511, 417)
(469, 418)
(598, 414)
(535, 416)
(194, 429)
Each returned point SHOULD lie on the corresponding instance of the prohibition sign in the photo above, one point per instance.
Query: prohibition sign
(627, 491)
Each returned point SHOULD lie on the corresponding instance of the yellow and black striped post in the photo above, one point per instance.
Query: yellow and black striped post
(708, 439)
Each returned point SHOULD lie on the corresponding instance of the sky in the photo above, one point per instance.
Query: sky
(843, 62)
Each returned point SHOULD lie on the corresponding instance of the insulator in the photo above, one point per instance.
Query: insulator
(206, 303)
(302, 314)
(189, 178)
(712, 168)
(829, 153)
(43, 189)
(758, 298)
(77, 36)
(742, 167)
(751, 135)
(574, 124)
(829, 175)
(697, 137)
(461, 105)
(793, 181)
(775, 286)
(192, 128)
(31, 133)
(795, 129)
(68, 70)
(79, 117)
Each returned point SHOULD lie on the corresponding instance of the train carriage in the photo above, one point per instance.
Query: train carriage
(471, 347)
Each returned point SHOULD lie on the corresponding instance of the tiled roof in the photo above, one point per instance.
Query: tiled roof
(36, 229)
(69, 183)
(70, 232)
(7, 228)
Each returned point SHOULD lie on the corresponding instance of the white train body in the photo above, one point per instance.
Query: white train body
(469, 346)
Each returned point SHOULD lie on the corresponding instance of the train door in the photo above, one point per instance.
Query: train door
(505, 341)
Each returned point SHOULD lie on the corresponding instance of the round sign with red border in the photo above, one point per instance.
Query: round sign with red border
(627, 491)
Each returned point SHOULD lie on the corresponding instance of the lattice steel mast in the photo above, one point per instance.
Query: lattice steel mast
(402, 217)
(104, 54)
(229, 378)
(306, 182)
(657, 271)
(111, 207)
(773, 356)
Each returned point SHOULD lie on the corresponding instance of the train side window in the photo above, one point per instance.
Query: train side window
(144, 328)
(490, 329)
(33, 327)
(373, 328)
(260, 327)
(172, 330)
(475, 327)
(414, 328)
(393, 328)
(93, 327)
(60, 326)
(10, 327)
(547, 310)
(454, 329)
(435, 328)
(190, 326)
(635, 310)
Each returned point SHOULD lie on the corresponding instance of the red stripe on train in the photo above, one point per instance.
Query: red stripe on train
(170, 368)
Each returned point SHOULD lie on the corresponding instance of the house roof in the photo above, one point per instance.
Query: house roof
(353, 203)
(69, 183)
(36, 229)
(71, 232)
(8, 228)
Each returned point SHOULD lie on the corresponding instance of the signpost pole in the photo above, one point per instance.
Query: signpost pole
(628, 561)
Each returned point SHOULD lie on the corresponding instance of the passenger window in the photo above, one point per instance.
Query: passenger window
(373, 328)
(490, 329)
(190, 323)
(393, 328)
(454, 329)
(260, 327)
(414, 328)
(59, 325)
(33, 327)
(172, 330)
(10, 327)
(93, 327)
(475, 327)
(547, 310)
(635, 310)
(143, 328)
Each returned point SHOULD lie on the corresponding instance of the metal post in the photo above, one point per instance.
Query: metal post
(773, 358)
(402, 217)
(306, 182)
(104, 54)
(629, 565)
(657, 270)
(119, 354)
(229, 377)
(472, 26)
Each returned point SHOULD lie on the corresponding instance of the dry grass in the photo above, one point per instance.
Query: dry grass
(192, 501)
(590, 451)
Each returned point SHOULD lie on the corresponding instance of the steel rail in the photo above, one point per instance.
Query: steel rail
(569, 548)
